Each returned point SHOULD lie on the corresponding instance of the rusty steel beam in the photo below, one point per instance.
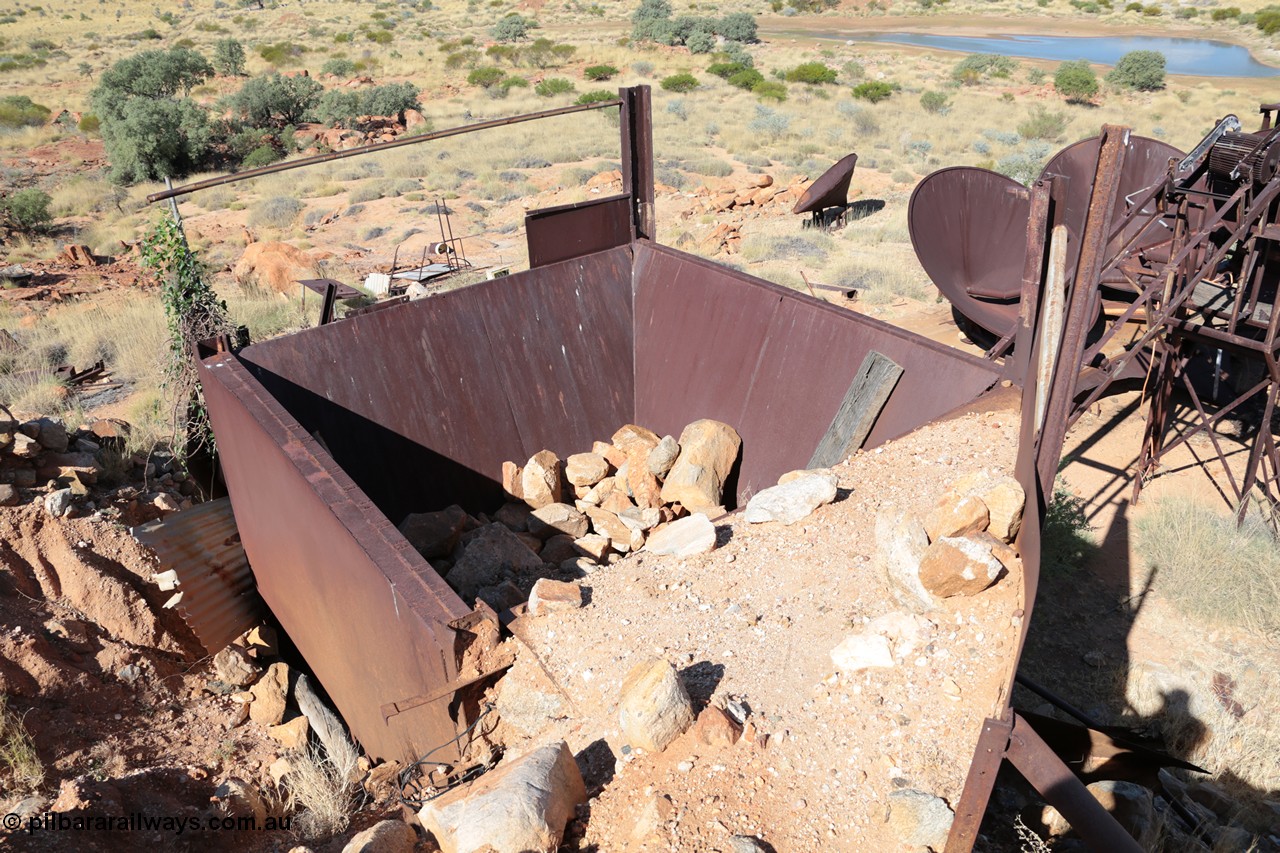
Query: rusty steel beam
(373, 149)
(637, 158)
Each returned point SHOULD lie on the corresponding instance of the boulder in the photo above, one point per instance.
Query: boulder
(291, 735)
(9, 495)
(654, 708)
(558, 518)
(275, 265)
(708, 451)
(57, 503)
(958, 565)
(487, 558)
(53, 435)
(694, 534)
(540, 480)
(1129, 803)
(550, 596)
(607, 524)
(586, 469)
(791, 501)
(559, 548)
(8, 426)
(593, 545)
(919, 819)
(956, 515)
(234, 668)
(632, 437)
(522, 806)
(238, 798)
(857, 652)
(25, 446)
(901, 543)
(434, 534)
(714, 727)
(663, 456)
(270, 695)
(385, 836)
(511, 477)
(1005, 501)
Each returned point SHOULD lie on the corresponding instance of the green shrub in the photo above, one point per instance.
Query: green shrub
(1076, 81)
(977, 66)
(738, 26)
(681, 83)
(1065, 541)
(599, 72)
(281, 53)
(275, 100)
(1151, 10)
(596, 97)
(749, 79)
(771, 89)
(380, 36)
(342, 105)
(338, 67)
(1139, 69)
(874, 91)
(486, 76)
(1187, 12)
(263, 155)
(21, 111)
(813, 73)
(228, 57)
(725, 70)
(513, 82)
(514, 27)
(1220, 15)
(27, 209)
(553, 86)
(700, 41)
(1043, 124)
(89, 123)
(1133, 7)
(934, 102)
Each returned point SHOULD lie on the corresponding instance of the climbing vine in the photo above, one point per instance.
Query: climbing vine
(193, 312)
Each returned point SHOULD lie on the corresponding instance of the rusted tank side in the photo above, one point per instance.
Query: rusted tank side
(712, 342)
(366, 611)
(421, 403)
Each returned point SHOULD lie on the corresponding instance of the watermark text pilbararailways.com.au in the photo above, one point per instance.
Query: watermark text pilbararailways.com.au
(138, 822)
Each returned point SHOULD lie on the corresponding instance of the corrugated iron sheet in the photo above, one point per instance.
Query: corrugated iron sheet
(214, 589)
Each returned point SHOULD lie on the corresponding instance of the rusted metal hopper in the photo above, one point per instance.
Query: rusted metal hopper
(968, 227)
(830, 190)
(1146, 162)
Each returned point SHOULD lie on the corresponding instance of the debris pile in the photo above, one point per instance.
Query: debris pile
(637, 491)
(77, 472)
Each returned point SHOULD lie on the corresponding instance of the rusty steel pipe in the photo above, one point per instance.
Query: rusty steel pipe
(1065, 792)
(374, 148)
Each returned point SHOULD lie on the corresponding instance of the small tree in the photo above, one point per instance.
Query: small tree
(652, 22)
(1139, 69)
(514, 27)
(228, 57)
(749, 79)
(27, 209)
(700, 41)
(274, 99)
(553, 86)
(486, 77)
(680, 83)
(1076, 82)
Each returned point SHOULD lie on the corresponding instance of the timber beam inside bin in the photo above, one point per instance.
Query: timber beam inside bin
(326, 443)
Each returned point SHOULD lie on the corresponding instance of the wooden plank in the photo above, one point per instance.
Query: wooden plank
(867, 395)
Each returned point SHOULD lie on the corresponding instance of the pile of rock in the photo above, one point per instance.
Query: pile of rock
(636, 491)
(80, 471)
(760, 190)
(961, 547)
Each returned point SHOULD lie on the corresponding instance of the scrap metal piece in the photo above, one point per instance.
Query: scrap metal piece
(967, 226)
(204, 561)
(831, 189)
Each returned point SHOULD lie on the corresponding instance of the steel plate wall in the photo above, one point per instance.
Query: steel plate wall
(422, 402)
(572, 230)
(773, 363)
(364, 609)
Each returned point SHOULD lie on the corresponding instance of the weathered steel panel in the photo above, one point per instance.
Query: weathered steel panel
(571, 230)
(421, 403)
(774, 363)
(367, 613)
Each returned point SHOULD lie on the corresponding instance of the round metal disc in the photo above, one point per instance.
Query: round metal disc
(831, 189)
(969, 229)
(1146, 162)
